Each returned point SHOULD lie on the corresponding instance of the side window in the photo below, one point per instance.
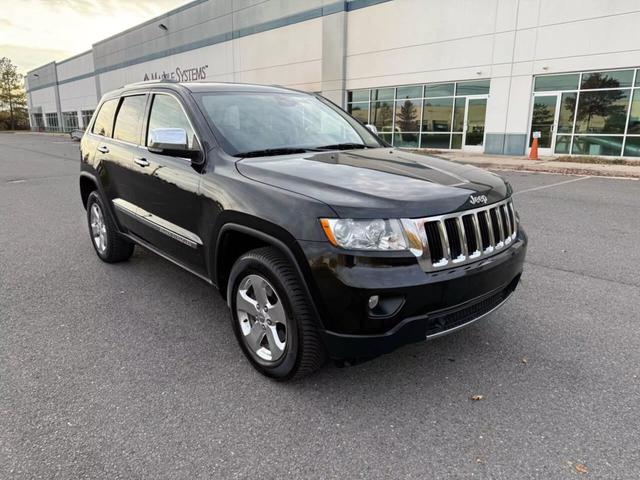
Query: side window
(129, 119)
(104, 121)
(166, 112)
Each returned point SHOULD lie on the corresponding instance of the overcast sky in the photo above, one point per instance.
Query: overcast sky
(35, 32)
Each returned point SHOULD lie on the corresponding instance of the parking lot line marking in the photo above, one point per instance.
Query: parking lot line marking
(33, 179)
(552, 185)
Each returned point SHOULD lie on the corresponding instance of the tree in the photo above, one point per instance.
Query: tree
(408, 117)
(13, 99)
(603, 105)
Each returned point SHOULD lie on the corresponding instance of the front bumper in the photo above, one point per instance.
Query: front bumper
(433, 304)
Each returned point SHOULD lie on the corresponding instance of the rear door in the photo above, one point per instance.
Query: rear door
(167, 187)
(121, 167)
(112, 158)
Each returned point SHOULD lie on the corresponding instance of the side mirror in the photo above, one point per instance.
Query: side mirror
(372, 128)
(173, 142)
(162, 140)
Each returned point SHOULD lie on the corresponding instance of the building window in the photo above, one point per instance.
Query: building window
(440, 90)
(437, 114)
(588, 113)
(476, 87)
(70, 121)
(38, 120)
(52, 121)
(86, 117)
(360, 110)
(550, 83)
(382, 117)
(422, 116)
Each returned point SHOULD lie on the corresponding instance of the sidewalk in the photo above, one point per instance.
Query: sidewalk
(545, 164)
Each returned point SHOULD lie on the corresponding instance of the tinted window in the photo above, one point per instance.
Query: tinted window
(360, 111)
(602, 111)
(166, 112)
(129, 119)
(437, 115)
(382, 116)
(623, 78)
(414, 91)
(359, 96)
(104, 121)
(439, 90)
(632, 147)
(458, 115)
(634, 116)
(588, 145)
(479, 87)
(408, 115)
(383, 94)
(567, 109)
(549, 83)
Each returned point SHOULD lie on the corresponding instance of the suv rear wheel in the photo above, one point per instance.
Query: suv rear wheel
(272, 318)
(106, 240)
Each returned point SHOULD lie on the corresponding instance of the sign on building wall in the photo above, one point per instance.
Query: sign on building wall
(180, 74)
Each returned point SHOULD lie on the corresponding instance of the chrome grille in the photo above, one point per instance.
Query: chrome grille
(446, 241)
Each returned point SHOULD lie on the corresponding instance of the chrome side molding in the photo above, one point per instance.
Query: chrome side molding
(164, 226)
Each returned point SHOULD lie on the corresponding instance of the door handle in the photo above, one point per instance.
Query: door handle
(103, 149)
(143, 162)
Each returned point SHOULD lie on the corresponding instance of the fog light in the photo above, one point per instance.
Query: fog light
(373, 301)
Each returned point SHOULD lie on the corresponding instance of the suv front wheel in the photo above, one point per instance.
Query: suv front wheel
(272, 318)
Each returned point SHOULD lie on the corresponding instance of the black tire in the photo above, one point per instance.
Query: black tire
(304, 352)
(117, 248)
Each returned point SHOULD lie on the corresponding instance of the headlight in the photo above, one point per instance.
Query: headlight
(365, 234)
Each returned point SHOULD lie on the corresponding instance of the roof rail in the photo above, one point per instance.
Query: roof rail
(147, 82)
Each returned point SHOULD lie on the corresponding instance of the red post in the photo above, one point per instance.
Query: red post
(533, 153)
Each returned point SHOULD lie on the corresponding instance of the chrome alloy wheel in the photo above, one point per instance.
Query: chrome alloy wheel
(98, 228)
(262, 318)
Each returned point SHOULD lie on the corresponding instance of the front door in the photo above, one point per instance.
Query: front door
(475, 113)
(544, 119)
(167, 190)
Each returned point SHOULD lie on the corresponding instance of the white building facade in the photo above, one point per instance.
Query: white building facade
(478, 75)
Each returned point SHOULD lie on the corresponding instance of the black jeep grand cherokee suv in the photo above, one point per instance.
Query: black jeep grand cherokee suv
(325, 241)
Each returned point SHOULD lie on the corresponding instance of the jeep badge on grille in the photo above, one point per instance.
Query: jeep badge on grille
(474, 200)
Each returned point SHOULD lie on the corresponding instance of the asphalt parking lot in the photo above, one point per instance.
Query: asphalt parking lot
(132, 371)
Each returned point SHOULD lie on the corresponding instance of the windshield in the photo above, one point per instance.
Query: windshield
(274, 123)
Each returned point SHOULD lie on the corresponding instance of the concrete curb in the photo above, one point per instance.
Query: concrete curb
(622, 173)
(549, 165)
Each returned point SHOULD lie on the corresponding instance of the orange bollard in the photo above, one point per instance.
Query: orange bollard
(533, 153)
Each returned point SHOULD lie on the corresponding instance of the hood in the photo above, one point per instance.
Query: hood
(378, 183)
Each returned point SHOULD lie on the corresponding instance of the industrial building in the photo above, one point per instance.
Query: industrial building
(478, 75)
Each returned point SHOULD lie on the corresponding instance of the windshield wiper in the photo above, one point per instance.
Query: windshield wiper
(291, 150)
(342, 146)
(272, 151)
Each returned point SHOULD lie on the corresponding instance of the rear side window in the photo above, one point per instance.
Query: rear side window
(129, 119)
(104, 121)
(166, 112)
